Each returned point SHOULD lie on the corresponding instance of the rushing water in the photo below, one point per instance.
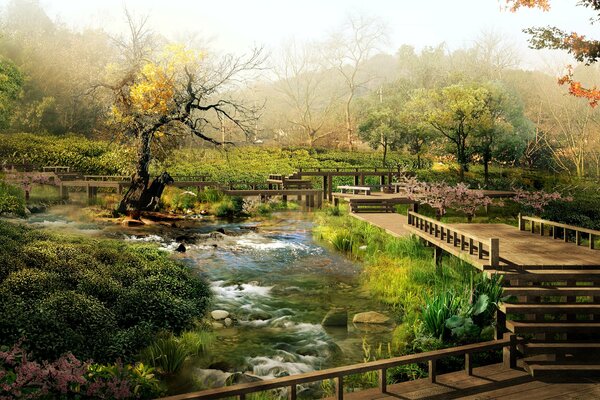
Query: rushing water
(277, 283)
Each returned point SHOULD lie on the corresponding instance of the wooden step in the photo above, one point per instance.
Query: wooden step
(562, 369)
(552, 291)
(557, 308)
(524, 327)
(558, 275)
(559, 348)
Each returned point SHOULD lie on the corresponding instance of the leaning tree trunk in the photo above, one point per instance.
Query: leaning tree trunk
(140, 196)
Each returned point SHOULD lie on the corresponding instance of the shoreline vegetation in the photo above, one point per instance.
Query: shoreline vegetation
(433, 310)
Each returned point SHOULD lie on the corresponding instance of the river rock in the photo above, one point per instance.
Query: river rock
(242, 377)
(228, 322)
(335, 317)
(130, 222)
(259, 315)
(219, 315)
(371, 317)
(181, 248)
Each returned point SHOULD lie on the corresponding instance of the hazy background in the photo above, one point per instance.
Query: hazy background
(236, 25)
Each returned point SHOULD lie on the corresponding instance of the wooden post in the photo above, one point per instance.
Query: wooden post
(292, 395)
(591, 241)
(578, 238)
(432, 370)
(325, 187)
(541, 229)
(383, 380)
(339, 388)
(494, 252)
(532, 226)
(362, 179)
(509, 353)
(468, 364)
(437, 256)
(500, 325)
(521, 224)
(355, 180)
(471, 246)
(480, 250)
(565, 235)
(329, 187)
(382, 180)
(242, 396)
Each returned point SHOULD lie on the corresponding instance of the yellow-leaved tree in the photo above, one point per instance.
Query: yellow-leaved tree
(173, 92)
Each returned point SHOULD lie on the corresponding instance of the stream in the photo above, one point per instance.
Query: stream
(277, 283)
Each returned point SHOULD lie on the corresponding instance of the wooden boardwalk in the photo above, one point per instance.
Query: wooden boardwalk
(551, 271)
(489, 382)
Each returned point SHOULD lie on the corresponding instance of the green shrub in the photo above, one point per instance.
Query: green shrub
(12, 200)
(437, 310)
(100, 299)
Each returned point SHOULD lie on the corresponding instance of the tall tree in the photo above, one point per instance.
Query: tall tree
(11, 86)
(381, 128)
(303, 82)
(503, 129)
(455, 112)
(347, 51)
(173, 94)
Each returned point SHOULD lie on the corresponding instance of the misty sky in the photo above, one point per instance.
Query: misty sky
(236, 25)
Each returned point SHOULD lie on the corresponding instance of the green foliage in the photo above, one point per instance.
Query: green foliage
(100, 299)
(81, 154)
(230, 207)
(12, 200)
(11, 85)
(439, 309)
(169, 353)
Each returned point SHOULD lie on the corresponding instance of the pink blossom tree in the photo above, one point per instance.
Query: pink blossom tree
(441, 196)
(537, 200)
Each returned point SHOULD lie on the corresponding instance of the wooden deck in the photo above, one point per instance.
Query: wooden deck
(517, 248)
(489, 382)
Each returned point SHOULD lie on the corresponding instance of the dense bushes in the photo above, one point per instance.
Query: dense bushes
(98, 299)
(81, 154)
(12, 200)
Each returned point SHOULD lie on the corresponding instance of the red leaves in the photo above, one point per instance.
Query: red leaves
(577, 90)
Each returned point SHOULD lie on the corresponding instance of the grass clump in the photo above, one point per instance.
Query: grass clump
(169, 353)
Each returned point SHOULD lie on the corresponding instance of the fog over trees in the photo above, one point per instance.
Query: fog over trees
(469, 104)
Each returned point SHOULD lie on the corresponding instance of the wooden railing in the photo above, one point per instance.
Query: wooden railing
(508, 343)
(351, 169)
(542, 224)
(457, 238)
(106, 178)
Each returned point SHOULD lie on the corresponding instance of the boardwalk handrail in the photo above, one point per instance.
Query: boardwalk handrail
(351, 169)
(509, 343)
(565, 227)
(457, 237)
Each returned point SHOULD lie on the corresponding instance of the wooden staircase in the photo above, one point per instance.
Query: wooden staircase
(559, 311)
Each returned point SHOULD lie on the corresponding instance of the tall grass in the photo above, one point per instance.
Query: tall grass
(169, 353)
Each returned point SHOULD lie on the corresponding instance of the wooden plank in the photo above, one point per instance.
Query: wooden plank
(552, 327)
(552, 291)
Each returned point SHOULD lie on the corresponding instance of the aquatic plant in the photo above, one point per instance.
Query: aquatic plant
(437, 310)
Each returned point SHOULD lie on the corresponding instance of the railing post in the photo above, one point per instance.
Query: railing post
(468, 364)
(494, 252)
(509, 353)
(521, 224)
(242, 396)
(591, 241)
(292, 395)
(339, 388)
(432, 370)
(383, 380)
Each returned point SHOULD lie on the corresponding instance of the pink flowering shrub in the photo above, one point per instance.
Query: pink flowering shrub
(440, 196)
(68, 377)
(538, 200)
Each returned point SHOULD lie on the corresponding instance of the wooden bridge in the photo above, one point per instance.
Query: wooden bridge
(551, 270)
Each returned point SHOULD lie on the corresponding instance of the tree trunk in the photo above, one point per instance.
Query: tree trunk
(385, 148)
(486, 168)
(349, 121)
(141, 197)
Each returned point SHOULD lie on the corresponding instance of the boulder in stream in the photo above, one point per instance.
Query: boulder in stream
(336, 317)
(371, 317)
(181, 248)
(219, 315)
(259, 315)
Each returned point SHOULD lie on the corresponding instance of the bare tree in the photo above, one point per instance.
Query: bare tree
(186, 94)
(302, 81)
(347, 50)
